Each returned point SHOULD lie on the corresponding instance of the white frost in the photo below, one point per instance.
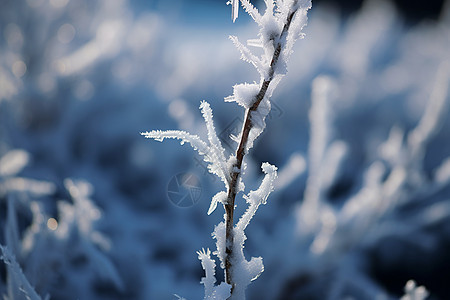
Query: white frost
(212, 152)
(255, 198)
(244, 272)
(219, 197)
(216, 151)
(244, 94)
(234, 9)
(212, 292)
(248, 56)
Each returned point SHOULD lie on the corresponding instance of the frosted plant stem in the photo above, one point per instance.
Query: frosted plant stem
(240, 153)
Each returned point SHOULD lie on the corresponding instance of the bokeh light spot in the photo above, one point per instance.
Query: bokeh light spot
(13, 35)
(66, 33)
(52, 224)
(19, 68)
(177, 109)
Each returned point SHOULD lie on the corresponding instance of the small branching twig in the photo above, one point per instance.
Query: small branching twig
(247, 126)
(280, 26)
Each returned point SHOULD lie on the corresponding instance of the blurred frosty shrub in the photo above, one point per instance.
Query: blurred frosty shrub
(361, 202)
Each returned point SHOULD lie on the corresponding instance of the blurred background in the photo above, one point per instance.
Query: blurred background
(359, 130)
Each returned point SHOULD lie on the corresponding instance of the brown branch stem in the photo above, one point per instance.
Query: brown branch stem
(240, 153)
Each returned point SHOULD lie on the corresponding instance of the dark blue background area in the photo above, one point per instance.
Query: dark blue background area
(412, 10)
(189, 11)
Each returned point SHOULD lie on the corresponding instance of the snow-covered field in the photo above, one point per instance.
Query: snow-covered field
(359, 131)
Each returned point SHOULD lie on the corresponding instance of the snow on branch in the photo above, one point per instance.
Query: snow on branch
(234, 9)
(251, 10)
(196, 143)
(244, 271)
(244, 94)
(213, 152)
(217, 152)
(258, 197)
(248, 56)
(279, 27)
(222, 291)
(209, 266)
(219, 197)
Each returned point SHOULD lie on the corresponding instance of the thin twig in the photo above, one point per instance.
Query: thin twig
(240, 153)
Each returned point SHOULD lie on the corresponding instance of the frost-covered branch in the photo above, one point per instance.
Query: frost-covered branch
(221, 291)
(212, 152)
(244, 272)
(280, 26)
(258, 197)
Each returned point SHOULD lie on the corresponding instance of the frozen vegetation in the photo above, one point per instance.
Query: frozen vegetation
(358, 128)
